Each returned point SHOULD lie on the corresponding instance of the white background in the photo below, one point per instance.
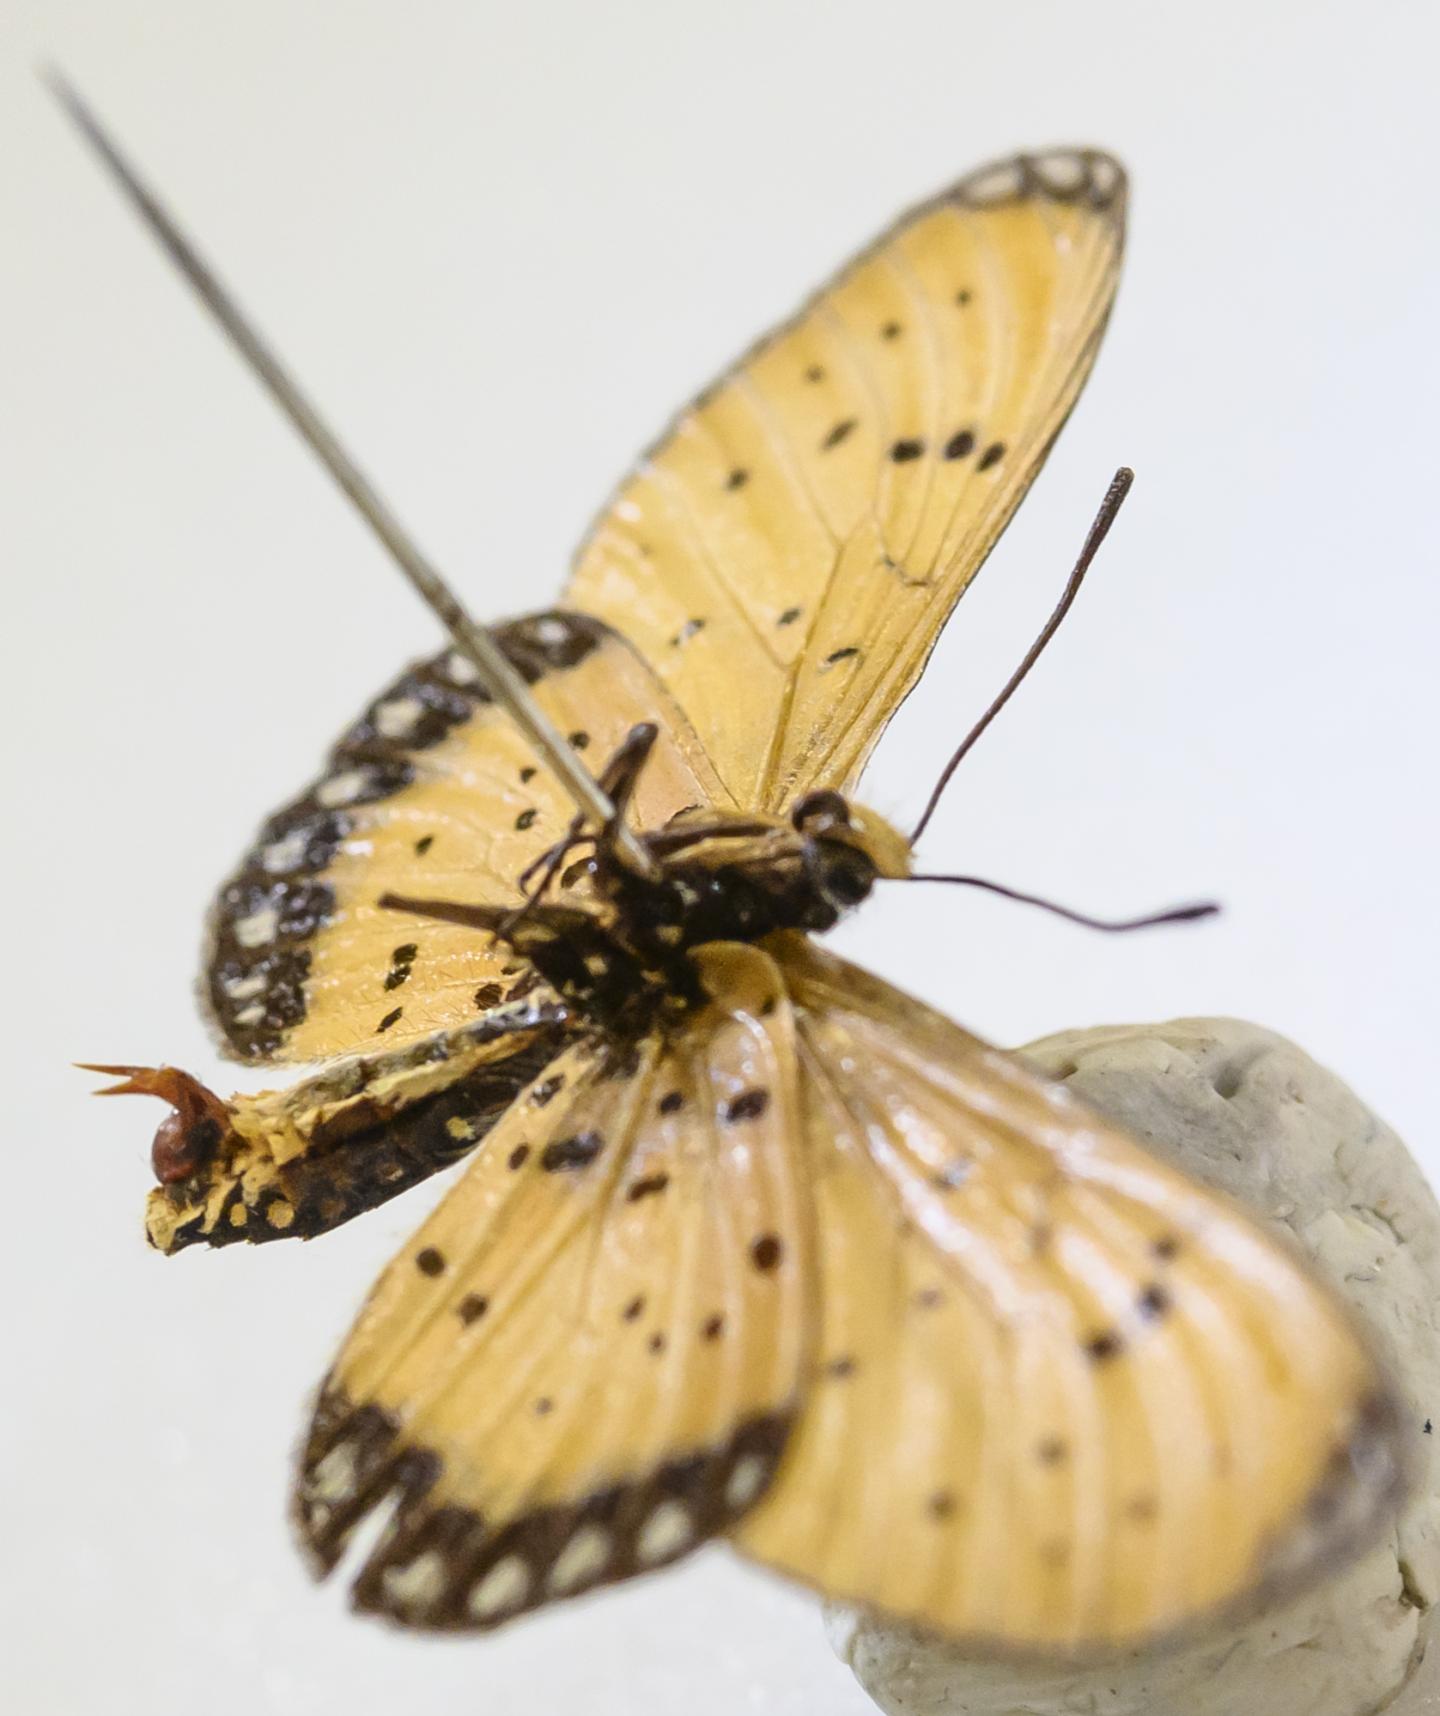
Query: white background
(501, 242)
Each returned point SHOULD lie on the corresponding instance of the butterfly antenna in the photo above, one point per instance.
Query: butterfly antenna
(1099, 530)
(500, 679)
(1173, 915)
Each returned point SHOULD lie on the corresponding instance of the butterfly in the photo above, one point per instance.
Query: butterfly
(750, 1244)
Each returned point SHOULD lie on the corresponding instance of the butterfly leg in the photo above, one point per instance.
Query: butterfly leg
(621, 774)
(617, 780)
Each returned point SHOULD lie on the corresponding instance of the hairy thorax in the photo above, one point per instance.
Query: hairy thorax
(616, 941)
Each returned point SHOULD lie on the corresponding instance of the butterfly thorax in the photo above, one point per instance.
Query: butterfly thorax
(617, 943)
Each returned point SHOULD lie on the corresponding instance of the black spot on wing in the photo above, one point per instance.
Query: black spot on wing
(563, 1155)
(1104, 1347)
(402, 963)
(749, 1105)
(766, 1252)
(547, 1090)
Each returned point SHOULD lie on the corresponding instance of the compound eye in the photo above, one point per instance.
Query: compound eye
(846, 877)
(820, 810)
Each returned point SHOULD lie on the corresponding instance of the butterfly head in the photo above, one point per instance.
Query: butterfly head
(847, 848)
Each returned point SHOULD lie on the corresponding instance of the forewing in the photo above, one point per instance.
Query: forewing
(788, 553)
(1069, 1398)
(585, 1363)
(433, 793)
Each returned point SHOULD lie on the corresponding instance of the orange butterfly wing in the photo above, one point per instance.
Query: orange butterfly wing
(1064, 1396)
(432, 792)
(586, 1361)
(804, 529)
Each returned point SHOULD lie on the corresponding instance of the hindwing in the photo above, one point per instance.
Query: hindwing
(586, 1361)
(1066, 1397)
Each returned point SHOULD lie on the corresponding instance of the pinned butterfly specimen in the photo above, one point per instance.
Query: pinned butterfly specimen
(749, 1243)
